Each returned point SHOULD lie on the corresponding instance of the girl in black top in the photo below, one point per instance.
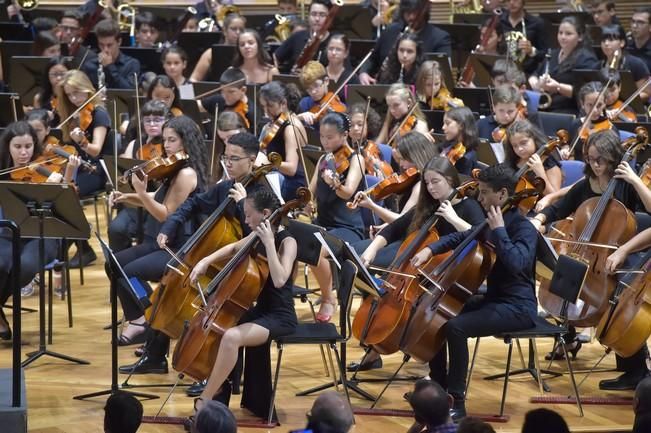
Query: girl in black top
(147, 261)
(339, 67)
(613, 42)
(276, 100)
(574, 53)
(153, 115)
(403, 62)
(175, 60)
(522, 142)
(19, 146)
(460, 126)
(54, 72)
(273, 315)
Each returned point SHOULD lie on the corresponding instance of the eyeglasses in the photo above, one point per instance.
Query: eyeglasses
(600, 160)
(56, 74)
(153, 120)
(232, 159)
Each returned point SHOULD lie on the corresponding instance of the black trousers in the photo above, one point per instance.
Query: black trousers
(145, 262)
(89, 183)
(123, 228)
(478, 318)
(29, 262)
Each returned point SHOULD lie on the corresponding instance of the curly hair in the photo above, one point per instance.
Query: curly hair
(192, 139)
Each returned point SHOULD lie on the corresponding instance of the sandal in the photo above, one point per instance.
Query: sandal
(139, 338)
(324, 316)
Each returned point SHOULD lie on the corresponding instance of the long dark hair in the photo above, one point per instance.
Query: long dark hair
(16, 129)
(392, 71)
(526, 128)
(608, 145)
(48, 91)
(584, 44)
(168, 83)
(469, 133)
(264, 59)
(190, 134)
(276, 91)
(427, 205)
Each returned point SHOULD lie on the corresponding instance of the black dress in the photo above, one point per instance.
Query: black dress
(290, 183)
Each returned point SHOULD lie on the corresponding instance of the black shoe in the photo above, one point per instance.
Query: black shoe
(6, 334)
(407, 396)
(140, 338)
(196, 389)
(224, 393)
(88, 257)
(458, 411)
(572, 348)
(625, 382)
(145, 366)
(356, 366)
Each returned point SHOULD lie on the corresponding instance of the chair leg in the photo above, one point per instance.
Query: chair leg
(65, 274)
(49, 306)
(517, 342)
(572, 380)
(81, 262)
(506, 376)
(275, 385)
(472, 364)
(96, 213)
(536, 361)
(332, 369)
(342, 373)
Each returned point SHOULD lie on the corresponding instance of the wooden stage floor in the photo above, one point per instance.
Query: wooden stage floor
(51, 383)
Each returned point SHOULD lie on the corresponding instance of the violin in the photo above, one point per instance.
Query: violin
(54, 148)
(176, 112)
(312, 45)
(598, 222)
(35, 171)
(455, 153)
(444, 101)
(161, 167)
(229, 295)
(329, 102)
(622, 113)
(242, 108)
(375, 166)
(173, 303)
(338, 161)
(272, 129)
(381, 323)
(394, 184)
(602, 124)
(151, 150)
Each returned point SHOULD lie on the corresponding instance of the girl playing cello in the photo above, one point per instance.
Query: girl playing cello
(337, 179)
(273, 315)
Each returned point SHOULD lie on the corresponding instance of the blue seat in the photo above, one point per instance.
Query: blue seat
(624, 135)
(367, 215)
(572, 171)
(386, 151)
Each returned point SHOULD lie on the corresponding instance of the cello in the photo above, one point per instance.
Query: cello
(598, 223)
(447, 286)
(172, 303)
(381, 323)
(229, 295)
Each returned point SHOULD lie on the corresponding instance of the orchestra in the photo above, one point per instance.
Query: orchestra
(233, 149)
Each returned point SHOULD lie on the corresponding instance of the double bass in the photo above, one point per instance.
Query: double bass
(447, 286)
(380, 323)
(230, 294)
(598, 223)
(172, 303)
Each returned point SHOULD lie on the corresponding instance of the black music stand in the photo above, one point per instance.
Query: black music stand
(6, 108)
(149, 58)
(377, 92)
(312, 154)
(28, 74)
(445, 65)
(478, 99)
(465, 38)
(123, 164)
(471, 18)
(44, 210)
(222, 59)
(483, 65)
(354, 21)
(196, 43)
(115, 266)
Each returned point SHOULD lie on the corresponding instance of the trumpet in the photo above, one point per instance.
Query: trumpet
(27, 5)
(206, 25)
(544, 95)
(126, 17)
(281, 30)
(466, 7)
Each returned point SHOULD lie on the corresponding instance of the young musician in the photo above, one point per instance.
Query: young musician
(403, 63)
(604, 13)
(574, 53)
(639, 44)
(613, 46)
(431, 89)
(175, 60)
(276, 100)
(147, 30)
(231, 97)
(154, 114)
(252, 58)
(415, 15)
(506, 109)
(69, 26)
(339, 67)
(19, 146)
(335, 182)
(289, 51)
(120, 71)
(602, 157)
(238, 158)
(54, 72)
(400, 101)
(437, 183)
(522, 142)
(146, 261)
(273, 315)
(459, 127)
(510, 301)
(88, 132)
(515, 22)
(363, 124)
(315, 80)
(614, 104)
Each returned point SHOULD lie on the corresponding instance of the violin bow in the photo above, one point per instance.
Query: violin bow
(214, 140)
(589, 115)
(299, 147)
(14, 110)
(137, 114)
(359, 152)
(81, 107)
(632, 98)
(402, 123)
(213, 91)
(341, 86)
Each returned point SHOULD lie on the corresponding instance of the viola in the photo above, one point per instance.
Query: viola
(160, 167)
(381, 323)
(330, 102)
(229, 295)
(242, 108)
(446, 286)
(455, 153)
(444, 101)
(312, 45)
(55, 149)
(598, 221)
(173, 303)
(272, 129)
(34, 172)
(407, 124)
(176, 112)
(394, 184)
